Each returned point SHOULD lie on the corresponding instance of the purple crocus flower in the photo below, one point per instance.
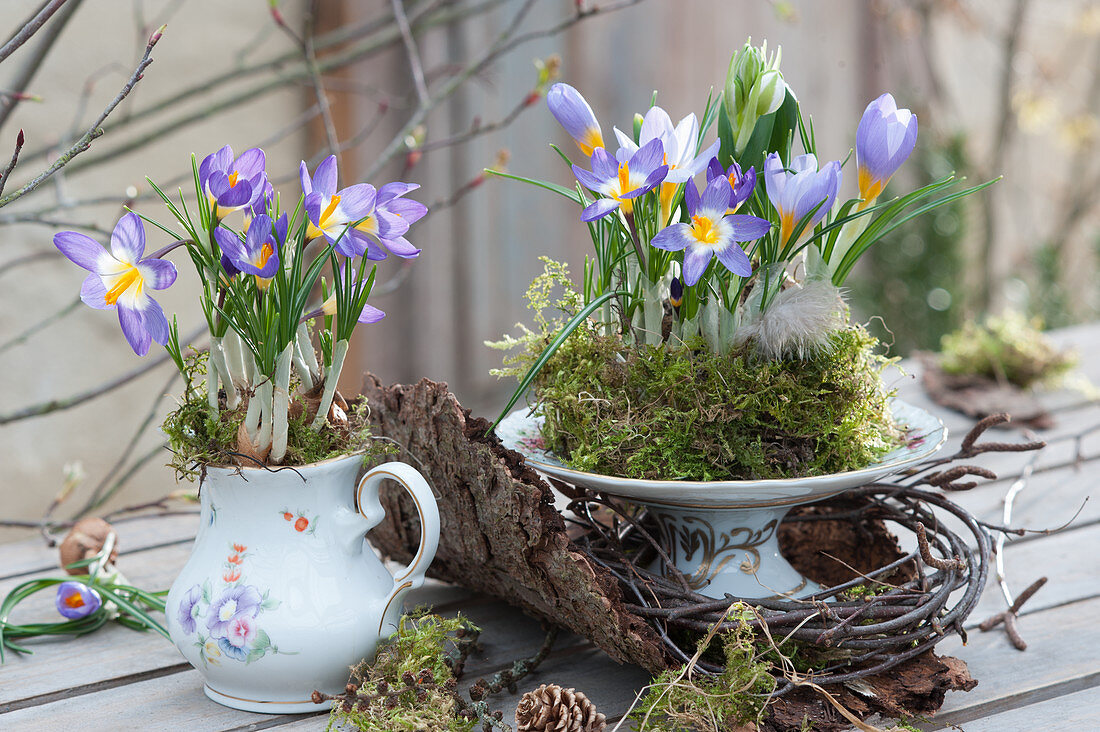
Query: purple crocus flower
(76, 600)
(233, 183)
(257, 255)
(679, 144)
(795, 192)
(331, 212)
(884, 139)
(239, 601)
(186, 615)
(711, 232)
(621, 180)
(575, 114)
(119, 279)
(741, 184)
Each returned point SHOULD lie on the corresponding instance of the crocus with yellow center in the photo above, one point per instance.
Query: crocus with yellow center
(119, 279)
(76, 600)
(680, 144)
(620, 179)
(795, 191)
(711, 233)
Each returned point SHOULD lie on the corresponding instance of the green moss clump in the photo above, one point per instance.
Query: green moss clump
(420, 644)
(199, 436)
(1005, 348)
(685, 413)
(678, 700)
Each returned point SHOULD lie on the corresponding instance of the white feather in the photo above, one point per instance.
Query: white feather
(798, 322)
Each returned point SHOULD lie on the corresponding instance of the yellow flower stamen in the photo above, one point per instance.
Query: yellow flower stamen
(705, 230)
(74, 600)
(125, 282)
(332, 204)
(233, 179)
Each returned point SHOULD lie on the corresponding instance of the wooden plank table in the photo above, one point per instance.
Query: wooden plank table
(117, 679)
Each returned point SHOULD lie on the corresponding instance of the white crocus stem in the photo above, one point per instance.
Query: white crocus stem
(339, 351)
(264, 394)
(305, 345)
(211, 386)
(710, 323)
(281, 404)
(235, 359)
(305, 361)
(217, 356)
(844, 242)
(252, 416)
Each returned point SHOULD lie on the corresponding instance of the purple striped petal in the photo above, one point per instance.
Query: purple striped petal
(93, 293)
(409, 210)
(128, 239)
(691, 196)
(312, 205)
(390, 226)
(401, 247)
(370, 314)
(251, 163)
(215, 162)
(649, 158)
(81, 250)
(775, 178)
(650, 183)
(602, 207)
(304, 180)
(747, 228)
(673, 238)
(159, 274)
(154, 322)
(714, 169)
(324, 178)
(604, 166)
(133, 327)
(696, 259)
(357, 201)
(588, 180)
(735, 260)
(395, 190)
(716, 197)
(231, 245)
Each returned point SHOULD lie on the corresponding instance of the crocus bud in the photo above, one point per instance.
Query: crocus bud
(884, 139)
(76, 600)
(754, 88)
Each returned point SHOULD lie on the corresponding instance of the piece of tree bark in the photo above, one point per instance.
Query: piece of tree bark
(500, 533)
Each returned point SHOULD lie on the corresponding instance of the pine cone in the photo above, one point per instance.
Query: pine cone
(554, 709)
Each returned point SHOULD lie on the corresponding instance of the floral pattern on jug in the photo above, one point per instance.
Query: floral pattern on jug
(226, 621)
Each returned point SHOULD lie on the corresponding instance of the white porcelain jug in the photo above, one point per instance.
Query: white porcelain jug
(282, 594)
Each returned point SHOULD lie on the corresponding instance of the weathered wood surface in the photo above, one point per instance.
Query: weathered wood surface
(119, 679)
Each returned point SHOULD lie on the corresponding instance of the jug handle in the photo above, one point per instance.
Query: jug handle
(366, 499)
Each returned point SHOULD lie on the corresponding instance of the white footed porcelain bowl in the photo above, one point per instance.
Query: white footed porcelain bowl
(722, 534)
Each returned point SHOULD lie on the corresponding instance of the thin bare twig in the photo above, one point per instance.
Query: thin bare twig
(411, 51)
(33, 62)
(19, 140)
(30, 28)
(94, 131)
(58, 405)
